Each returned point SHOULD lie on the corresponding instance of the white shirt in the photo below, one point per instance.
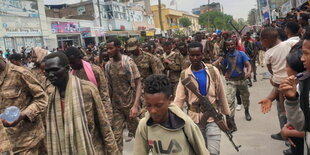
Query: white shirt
(276, 56)
(292, 41)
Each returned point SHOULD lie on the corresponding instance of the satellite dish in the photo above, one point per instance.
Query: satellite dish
(110, 27)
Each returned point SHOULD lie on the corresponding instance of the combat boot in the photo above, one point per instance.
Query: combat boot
(247, 115)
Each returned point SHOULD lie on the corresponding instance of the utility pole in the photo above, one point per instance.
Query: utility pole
(160, 16)
(208, 14)
(269, 9)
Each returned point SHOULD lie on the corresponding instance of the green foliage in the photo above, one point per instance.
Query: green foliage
(178, 34)
(252, 17)
(218, 20)
(185, 22)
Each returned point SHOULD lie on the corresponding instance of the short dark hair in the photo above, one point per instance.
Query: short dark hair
(269, 32)
(64, 61)
(15, 56)
(230, 40)
(281, 34)
(167, 43)
(158, 83)
(115, 40)
(147, 46)
(293, 27)
(294, 58)
(195, 44)
(180, 44)
(73, 51)
(304, 17)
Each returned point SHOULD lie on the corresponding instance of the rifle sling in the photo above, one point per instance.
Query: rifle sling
(233, 62)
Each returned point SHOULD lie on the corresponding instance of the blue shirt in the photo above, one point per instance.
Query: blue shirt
(242, 58)
(201, 77)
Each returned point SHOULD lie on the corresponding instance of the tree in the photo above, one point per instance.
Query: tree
(185, 22)
(217, 20)
(252, 17)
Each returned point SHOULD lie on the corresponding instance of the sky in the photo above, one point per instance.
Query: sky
(236, 8)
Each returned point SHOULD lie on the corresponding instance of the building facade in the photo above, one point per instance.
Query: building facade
(170, 19)
(23, 24)
(206, 8)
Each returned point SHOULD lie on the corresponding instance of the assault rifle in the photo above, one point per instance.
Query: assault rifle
(207, 109)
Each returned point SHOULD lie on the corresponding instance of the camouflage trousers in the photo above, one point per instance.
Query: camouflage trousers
(121, 119)
(5, 144)
(242, 86)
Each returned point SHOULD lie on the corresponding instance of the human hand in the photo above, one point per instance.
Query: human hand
(134, 112)
(167, 61)
(13, 124)
(288, 87)
(265, 105)
(247, 74)
(284, 131)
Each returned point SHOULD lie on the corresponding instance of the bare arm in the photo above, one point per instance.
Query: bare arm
(249, 68)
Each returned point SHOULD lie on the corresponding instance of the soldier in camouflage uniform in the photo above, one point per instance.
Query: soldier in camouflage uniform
(97, 129)
(124, 80)
(78, 65)
(182, 48)
(234, 64)
(172, 63)
(5, 144)
(19, 87)
(147, 63)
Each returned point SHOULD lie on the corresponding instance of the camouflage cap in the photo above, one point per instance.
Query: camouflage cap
(132, 44)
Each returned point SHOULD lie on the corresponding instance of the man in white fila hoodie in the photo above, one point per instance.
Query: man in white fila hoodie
(166, 129)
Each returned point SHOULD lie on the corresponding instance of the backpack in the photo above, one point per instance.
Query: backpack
(125, 65)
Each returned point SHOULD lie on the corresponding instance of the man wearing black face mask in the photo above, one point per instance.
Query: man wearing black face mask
(147, 63)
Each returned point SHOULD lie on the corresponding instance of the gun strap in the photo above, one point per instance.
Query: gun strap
(233, 63)
(212, 75)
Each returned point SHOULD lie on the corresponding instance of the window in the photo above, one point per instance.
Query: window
(81, 10)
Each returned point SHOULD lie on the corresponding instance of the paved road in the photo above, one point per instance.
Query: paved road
(254, 136)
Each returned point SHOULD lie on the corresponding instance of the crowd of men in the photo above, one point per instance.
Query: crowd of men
(79, 101)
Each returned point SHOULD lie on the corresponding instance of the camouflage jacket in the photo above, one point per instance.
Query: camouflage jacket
(174, 69)
(20, 88)
(185, 62)
(102, 87)
(148, 64)
(5, 147)
(120, 82)
(98, 125)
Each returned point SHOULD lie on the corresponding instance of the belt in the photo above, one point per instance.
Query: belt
(236, 79)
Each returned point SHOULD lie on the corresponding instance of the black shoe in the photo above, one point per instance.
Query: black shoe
(254, 80)
(247, 115)
(277, 136)
(288, 152)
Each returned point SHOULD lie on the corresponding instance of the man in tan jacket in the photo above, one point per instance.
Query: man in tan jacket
(208, 80)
